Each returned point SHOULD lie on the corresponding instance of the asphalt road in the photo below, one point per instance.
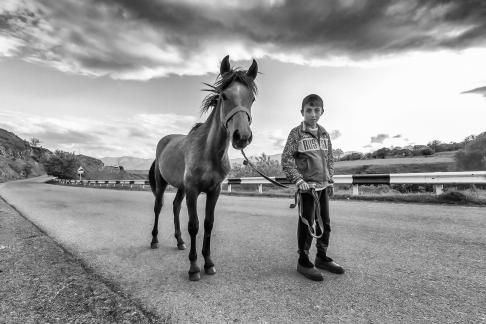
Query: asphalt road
(404, 262)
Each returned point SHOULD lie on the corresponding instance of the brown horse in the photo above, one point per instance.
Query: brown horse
(198, 162)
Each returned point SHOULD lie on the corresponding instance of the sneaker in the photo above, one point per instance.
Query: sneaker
(310, 273)
(328, 264)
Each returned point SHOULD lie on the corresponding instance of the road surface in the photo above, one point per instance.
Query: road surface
(404, 262)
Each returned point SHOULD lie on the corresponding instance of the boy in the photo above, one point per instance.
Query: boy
(308, 162)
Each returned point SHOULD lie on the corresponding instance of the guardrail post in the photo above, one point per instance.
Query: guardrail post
(229, 187)
(260, 188)
(355, 190)
(439, 189)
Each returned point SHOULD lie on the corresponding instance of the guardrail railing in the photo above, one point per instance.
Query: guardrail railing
(437, 179)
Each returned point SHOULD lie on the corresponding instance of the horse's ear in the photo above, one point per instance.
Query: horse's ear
(225, 65)
(253, 70)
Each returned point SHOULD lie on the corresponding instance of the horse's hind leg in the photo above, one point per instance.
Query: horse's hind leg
(177, 209)
(212, 198)
(161, 184)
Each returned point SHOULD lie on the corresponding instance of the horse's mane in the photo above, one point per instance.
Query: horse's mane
(222, 83)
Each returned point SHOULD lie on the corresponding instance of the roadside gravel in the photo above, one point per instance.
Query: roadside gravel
(42, 283)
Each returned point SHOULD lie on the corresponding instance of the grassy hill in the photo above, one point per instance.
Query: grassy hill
(440, 162)
(18, 159)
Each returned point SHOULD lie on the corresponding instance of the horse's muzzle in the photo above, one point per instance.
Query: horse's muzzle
(241, 140)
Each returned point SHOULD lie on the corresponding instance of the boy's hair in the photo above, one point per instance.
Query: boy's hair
(313, 100)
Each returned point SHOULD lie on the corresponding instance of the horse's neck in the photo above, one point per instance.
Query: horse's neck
(217, 140)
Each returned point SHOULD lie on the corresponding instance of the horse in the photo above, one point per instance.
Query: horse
(198, 162)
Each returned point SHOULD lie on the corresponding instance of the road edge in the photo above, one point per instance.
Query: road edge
(92, 275)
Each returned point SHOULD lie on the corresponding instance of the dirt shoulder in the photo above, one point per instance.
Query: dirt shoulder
(40, 282)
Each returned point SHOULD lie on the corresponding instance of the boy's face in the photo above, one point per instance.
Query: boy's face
(311, 114)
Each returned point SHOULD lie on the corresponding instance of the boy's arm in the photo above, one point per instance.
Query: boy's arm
(288, 160)
(330, 160)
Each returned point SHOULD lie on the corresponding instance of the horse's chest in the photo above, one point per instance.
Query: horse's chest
(204, 178)
(210, 180)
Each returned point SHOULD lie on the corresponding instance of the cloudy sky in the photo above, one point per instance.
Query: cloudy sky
(111, 77)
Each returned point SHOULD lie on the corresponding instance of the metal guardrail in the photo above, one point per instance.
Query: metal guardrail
(437, 179)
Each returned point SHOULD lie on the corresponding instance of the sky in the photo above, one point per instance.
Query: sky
(111, 77)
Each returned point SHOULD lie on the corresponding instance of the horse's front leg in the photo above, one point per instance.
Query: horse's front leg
(211, 199)
(193, 227)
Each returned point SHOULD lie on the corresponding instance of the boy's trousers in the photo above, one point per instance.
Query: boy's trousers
(304, 238)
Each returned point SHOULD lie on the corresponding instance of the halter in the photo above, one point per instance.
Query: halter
(234, 111)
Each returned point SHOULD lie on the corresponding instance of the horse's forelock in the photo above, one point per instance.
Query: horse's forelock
(222, 83)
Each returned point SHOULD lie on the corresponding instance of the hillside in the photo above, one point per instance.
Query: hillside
(128, 162)
(18, 159)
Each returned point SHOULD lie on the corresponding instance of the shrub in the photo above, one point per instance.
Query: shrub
(61, 164)
(473, 157)
(352, 156)
(263, 163)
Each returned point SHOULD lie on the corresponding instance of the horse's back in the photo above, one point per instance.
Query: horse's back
(170, 159)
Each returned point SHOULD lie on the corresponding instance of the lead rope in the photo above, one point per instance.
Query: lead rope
(297, 201)
(317, 213)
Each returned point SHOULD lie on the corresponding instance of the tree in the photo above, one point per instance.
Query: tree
(61, 164)
(337, 153)
(34, 142)
(473, 157)
(352, 156)
(434, 145)
(263, 163)
(382, 153)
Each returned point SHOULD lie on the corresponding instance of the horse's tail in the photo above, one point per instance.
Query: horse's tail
(152, 177)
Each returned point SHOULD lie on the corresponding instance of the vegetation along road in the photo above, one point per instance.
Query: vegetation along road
(404, 262)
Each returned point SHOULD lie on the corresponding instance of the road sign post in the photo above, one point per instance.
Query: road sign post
(80, 172)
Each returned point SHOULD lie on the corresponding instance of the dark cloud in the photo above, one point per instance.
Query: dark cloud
(379, 138)
(480, 91)
(398, 136)
(146, 38)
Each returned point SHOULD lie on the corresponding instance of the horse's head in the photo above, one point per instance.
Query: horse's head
(235, 100)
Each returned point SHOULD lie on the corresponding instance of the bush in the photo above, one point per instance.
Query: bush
(381, 153)
(263, 163)
(408, 188)
(61, 164)
(424, 151)
(473, 157)
(352, 156)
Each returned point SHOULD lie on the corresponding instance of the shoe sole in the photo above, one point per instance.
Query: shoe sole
(330, 270)
(310, 276)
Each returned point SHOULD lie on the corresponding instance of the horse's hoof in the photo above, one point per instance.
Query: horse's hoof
(194, 276)
(154, 245)
(181, 246)
(210, 270)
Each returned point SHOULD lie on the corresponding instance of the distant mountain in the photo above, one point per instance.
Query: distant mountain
(128, 162)
(239, 161)
(134, 163)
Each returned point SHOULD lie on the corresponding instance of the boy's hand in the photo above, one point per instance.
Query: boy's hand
(330, 191)
(303, 186)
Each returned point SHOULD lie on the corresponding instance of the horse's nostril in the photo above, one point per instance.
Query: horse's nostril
(250, 138)
(236, 136)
